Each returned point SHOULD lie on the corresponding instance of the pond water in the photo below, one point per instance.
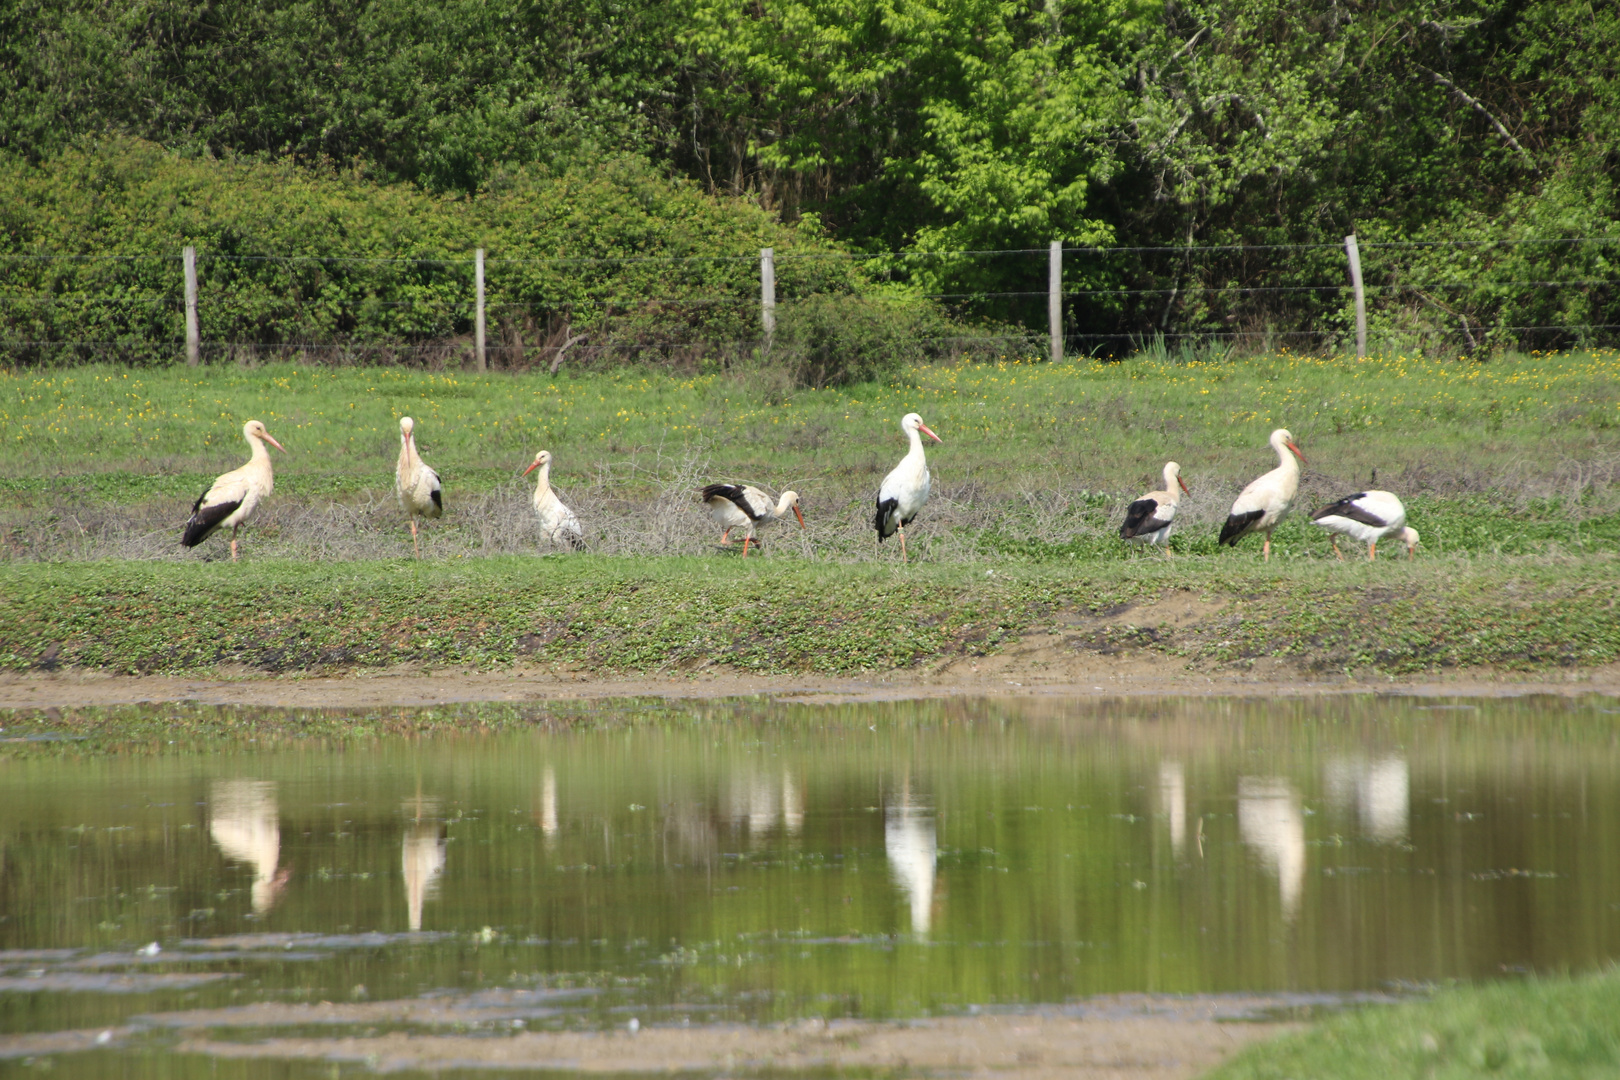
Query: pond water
(759, 861)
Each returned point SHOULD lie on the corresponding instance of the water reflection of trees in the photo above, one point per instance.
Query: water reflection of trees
(244, 820)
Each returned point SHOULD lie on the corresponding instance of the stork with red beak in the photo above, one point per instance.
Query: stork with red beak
(1148, 519)
(232, 498)
(732, 506)
(905, 490)
(1266, 501)
(415, 483)
(559, 524)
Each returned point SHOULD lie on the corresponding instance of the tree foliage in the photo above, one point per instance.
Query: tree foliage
(946, 126)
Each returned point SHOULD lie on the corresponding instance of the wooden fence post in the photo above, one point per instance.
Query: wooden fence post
(478, 317)
(1054, 301)
(1361, 297)
(767, 293)
(193, 338)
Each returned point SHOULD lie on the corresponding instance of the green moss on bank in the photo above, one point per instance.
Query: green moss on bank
(1568, 1028)
(777, 617)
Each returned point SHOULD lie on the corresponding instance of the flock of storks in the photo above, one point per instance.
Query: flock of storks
(1367, 516)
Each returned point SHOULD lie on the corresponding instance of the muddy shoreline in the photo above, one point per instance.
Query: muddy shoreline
(1132, 1037)
(1022, 673)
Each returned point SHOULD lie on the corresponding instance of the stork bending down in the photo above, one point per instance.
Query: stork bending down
(732, 506)
(1367, 516)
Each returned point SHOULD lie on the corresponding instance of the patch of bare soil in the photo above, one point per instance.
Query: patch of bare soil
(1136, 1039)
(1044, 665)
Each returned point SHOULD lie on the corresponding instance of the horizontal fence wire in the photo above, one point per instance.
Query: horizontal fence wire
(446, 308)
(789, 256)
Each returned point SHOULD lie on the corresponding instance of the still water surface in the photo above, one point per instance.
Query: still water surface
(760, 861)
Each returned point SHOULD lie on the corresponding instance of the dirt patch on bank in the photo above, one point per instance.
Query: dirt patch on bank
(1043, 665)
(1139, 1038)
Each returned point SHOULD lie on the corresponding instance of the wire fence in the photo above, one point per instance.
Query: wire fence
(445, 308)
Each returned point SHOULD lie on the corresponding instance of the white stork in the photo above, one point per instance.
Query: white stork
(415, 483)
(905, 490)
(1367, 516)
(732, 506)
(1267, 500)
(233, 497)
(559, 524)
(1148, 519)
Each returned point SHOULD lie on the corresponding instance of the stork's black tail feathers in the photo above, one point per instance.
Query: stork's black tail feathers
(1238, 524)
(886, 520)
(731, 492)
(205, 519)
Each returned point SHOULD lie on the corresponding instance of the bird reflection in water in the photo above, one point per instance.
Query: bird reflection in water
(909, 841)
(244, 822)
(760, 803)
(423, 856)
(1173, 800)
(548, 805)
(1378, 791)
(1271, 822)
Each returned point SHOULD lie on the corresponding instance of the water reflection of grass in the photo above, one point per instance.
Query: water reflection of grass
(1568, 1028)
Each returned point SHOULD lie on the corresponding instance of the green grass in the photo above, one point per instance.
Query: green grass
(784, 616)
(1444, 424)
(1509, 469)
(1565, 1028)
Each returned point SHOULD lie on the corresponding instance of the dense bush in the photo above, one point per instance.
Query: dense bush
(1229, 145)
(329, 262)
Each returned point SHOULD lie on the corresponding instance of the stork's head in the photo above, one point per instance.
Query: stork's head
(1172, 477)
(406, 427)
(1409, 537)
(1281, 438)
(791, 498)
(542, 458)
(912, 422)
(254, 429)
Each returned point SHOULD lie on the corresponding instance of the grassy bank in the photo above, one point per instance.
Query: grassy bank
(1516, 457)
(1567, 1028)
(783, 616)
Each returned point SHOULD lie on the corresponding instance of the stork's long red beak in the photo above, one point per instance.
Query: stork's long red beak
(1297, 454)
(924, 429)
(798, 515)
(1184, 486)
(271, 440)
(531, 468)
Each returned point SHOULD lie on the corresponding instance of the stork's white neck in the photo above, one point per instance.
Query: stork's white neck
(1285, 460)
(916, 451)
(1170, 486)
(259, 453)
(542, 481)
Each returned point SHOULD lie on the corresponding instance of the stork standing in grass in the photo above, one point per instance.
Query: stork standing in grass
(1267, 500)
(1367, 516)
(415, 483)
(1148, 519)
(233, 497)
(905, 490)
(559, 524)
(732, 506)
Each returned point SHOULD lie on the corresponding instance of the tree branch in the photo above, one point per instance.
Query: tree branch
(1479, 107)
